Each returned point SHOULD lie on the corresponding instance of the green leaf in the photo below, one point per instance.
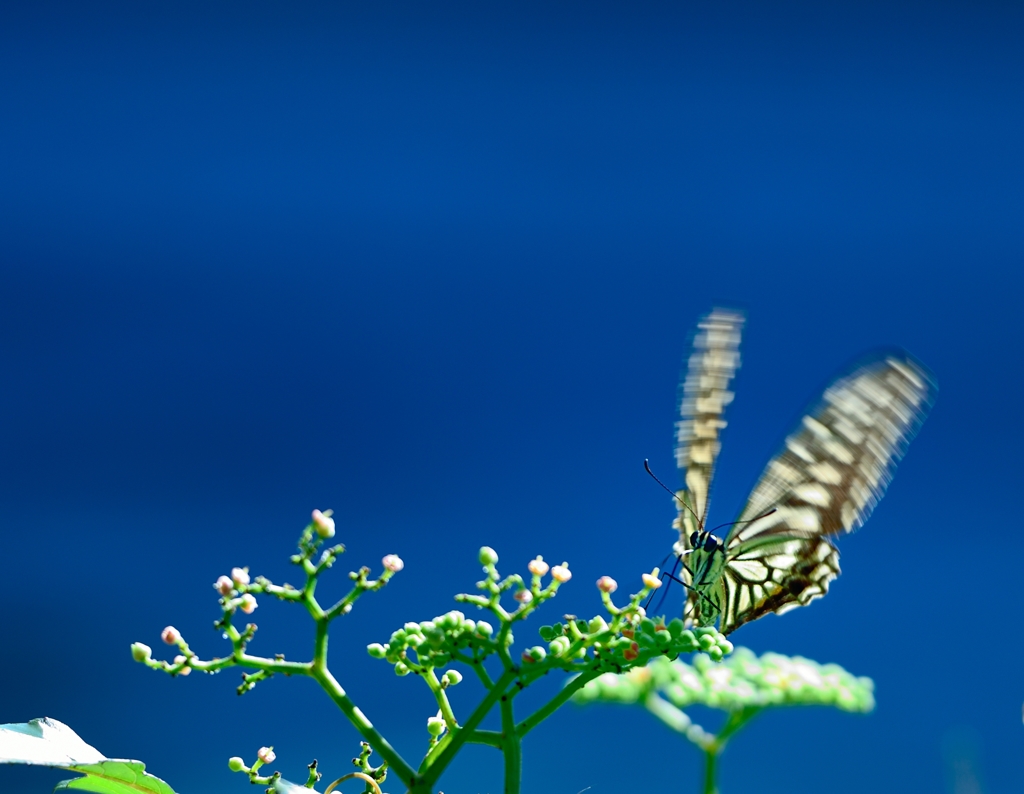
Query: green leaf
(115, 776)
(47, 742)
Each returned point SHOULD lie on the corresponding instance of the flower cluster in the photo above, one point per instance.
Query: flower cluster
(744, 680)
(622, 639)
(435, 643)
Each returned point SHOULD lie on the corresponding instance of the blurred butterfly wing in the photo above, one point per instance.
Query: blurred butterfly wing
(828, 478)
(704, 394)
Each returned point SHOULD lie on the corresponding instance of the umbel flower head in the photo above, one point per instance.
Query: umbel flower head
(742, 680)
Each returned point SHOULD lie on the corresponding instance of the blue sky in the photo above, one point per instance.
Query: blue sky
(437, 268)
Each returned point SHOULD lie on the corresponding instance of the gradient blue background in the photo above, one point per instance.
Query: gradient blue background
(436, 268)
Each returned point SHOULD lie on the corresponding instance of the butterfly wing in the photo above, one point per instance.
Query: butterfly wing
(704, 394)
(828, 478)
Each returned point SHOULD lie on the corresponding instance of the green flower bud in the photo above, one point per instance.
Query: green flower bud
(597, 624)
(559, 645)
(706, 642)
(435, 726)
(376, 650)
(141, 652)
(726, 646)
(484, 629)
(236, 764)
(401, 669)
(647, 626)
(675, 627)
(453, 677)
(687, 639)
(716, 654)
(488, 556)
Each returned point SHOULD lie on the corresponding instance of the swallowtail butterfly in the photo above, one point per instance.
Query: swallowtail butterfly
(826, 480)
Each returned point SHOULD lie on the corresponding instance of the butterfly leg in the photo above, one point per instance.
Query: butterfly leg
(671, 576)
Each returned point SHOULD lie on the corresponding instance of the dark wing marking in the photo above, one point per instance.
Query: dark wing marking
(828, 478)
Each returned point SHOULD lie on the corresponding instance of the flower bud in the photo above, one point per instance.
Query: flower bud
(170, 635)
(236, 764)
(141, 652)
(182, 660)
(240, 575)
(651, 582)
(435, 726)
(224, 585)
(266, 755)
(393, 563)
(523, 596)
(453, 677)
(538, 567)
(597, 624)
(248, 605)
(376, 650)
(561, 573)
(323, 524)
(488, 556)
(607, 585)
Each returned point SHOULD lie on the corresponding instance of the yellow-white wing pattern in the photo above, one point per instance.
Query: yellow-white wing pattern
(827, 479)
(705, 394)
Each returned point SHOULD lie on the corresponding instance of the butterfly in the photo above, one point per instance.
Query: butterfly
(828, 477)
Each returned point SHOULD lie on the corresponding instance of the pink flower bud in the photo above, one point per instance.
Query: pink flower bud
(393, 563)
(561, 573)
(653, 582)
(523, 596)
(538, 567)
(266, 755)
(240, 575)
(323, 524)
(248, 605)
(607, 585)
(170, 635)
(224, 585)
(182, 660)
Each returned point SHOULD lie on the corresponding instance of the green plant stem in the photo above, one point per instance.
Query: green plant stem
(490, 738)
(737, 719)
(555, 703)
(395, 761)
(710, 757)
(511, 746)
(436, 765)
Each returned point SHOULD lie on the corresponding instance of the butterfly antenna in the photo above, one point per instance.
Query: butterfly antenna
(675, 496)
(747, 521)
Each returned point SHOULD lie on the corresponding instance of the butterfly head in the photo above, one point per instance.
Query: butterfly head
(706, 542)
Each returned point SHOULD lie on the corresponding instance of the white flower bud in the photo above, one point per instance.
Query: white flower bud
(170, 635)
(182, 660)
(538, 567)
(561, 573)
(650, 581)
(141, 652)
(248, 605)
(323, 524)
(523, 596)
(607, 585)
(393, 563)
(266, 755)
(240, 575)
(224, 585)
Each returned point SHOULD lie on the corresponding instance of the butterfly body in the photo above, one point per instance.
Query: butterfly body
(831, 472)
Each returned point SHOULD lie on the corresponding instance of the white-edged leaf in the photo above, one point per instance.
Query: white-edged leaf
(48, 742)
